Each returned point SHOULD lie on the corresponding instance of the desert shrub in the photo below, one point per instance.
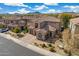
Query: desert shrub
(52, 49)
(43, 45)
(68, 52)
(35, 44)
(65, 51)
(20, 35)
(49, 45)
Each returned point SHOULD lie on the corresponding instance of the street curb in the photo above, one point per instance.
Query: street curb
(29, 46)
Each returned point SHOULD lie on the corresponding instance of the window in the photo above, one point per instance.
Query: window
(11, 21)
(36, 25)
(50, 34)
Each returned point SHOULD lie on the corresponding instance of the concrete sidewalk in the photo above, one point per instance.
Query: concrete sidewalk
(29, 46)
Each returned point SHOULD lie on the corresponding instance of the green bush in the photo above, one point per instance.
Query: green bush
(25, 30)
(16, 30)
(2, 26)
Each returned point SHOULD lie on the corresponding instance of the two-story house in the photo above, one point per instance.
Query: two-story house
(44, 27)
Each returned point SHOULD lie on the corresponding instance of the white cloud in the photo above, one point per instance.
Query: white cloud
(36, 6)
(58, 11)
(72, 7)
(20, 11)
(53, 11)
(40, 7)
(51, 3)
(76, 10)
(16, 4)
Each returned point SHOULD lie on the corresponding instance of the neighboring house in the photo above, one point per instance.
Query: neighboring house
(44, 27)
(20, 21)
(13, 21)
(74, 28)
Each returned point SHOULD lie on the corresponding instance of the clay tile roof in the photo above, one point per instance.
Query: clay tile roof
(12, 18)
(48, 18)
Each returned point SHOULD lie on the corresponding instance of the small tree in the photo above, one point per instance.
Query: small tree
(65, 19)
(16, 30)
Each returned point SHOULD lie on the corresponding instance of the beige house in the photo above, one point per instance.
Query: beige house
(44, 27)
(13, 21)
(74, 39)
(74, 28)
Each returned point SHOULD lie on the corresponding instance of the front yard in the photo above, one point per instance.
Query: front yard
(31, 39)
(28, 38)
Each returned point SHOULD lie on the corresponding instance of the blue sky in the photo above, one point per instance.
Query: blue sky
(24, 8)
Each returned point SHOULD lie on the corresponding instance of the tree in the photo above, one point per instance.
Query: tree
(65, 19)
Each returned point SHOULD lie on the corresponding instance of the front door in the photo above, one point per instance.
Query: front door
(22, 27)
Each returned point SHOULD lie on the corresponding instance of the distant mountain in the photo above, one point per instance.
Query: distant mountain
(70, 12)
(34, 13)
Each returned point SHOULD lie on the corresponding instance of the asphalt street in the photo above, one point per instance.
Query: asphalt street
(10, 48)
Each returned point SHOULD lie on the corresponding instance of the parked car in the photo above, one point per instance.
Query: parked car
(3, 30)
